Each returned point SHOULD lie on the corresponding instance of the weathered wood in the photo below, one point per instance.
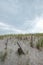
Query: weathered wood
(20, 51)
(31, 42)
(18, 44)
(6, 44)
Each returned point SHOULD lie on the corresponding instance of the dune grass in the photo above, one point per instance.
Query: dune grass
(3, 56)
(20, 35)
(39, 44)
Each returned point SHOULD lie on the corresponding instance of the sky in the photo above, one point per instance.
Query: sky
(21, 16)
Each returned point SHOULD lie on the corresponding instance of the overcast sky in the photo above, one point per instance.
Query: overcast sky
(21, 16)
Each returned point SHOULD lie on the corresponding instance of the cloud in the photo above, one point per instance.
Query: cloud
(21, 16)
(10, 28)
(34, 26)
(4, 26)
(38, 28)
(28, 25)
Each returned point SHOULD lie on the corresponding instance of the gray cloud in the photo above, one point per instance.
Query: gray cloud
(21, 13)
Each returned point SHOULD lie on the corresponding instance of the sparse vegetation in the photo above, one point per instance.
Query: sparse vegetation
(1, 37)
(23, 49)
(39, 44)
(3, 56)
(42, 43)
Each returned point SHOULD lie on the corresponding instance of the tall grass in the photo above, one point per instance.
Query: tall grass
(3, 56)
(39, 45)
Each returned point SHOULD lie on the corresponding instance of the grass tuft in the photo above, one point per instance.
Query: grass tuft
(39, 44)
(3, 56)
